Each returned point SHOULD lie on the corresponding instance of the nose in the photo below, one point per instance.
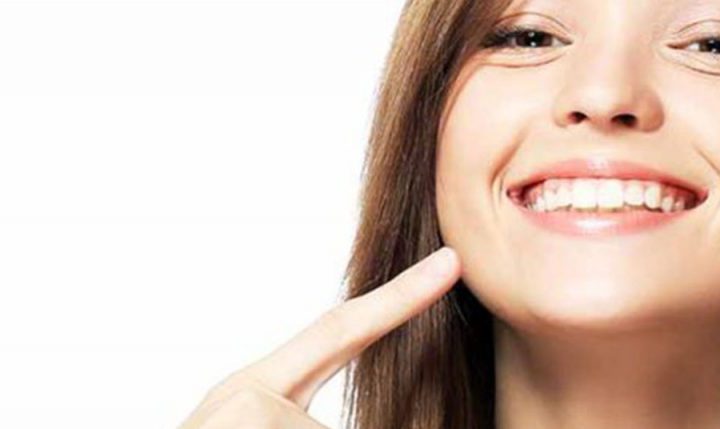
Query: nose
(609, 90)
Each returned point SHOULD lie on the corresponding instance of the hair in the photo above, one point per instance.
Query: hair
(437, 370)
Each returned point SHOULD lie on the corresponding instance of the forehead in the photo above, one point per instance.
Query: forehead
(658, 11)
(652, 5)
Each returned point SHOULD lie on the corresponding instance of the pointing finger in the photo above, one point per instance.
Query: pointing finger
(302, 365)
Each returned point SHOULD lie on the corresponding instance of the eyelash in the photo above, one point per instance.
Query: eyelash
(500, 36)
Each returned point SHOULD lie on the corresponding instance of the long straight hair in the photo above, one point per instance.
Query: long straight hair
(436, 371)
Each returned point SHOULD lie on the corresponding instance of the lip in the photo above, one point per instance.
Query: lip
(602, 223)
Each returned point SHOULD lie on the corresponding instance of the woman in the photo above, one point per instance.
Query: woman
(568, 153)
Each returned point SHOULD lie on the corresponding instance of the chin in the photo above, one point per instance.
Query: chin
(591, 314)
(586, 307)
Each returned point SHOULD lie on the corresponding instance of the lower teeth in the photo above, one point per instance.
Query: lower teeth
(601, 210)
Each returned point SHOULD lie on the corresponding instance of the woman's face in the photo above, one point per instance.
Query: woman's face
(568, 93)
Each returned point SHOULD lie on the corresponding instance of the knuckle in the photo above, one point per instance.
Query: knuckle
(253, 408)
(403, 294)
(246, 407)
(337, 325)
(237, 383)
(249, 399)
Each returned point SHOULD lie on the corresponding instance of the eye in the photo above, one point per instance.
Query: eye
(518, 37)
(706, 44)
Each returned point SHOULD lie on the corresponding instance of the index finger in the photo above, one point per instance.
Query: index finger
(298, 368)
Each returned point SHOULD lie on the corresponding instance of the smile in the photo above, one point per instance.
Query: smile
(602, 197)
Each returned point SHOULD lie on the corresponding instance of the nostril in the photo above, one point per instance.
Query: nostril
(627, 119)
(577, 116)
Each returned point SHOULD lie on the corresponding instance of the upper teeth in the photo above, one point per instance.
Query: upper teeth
(587, 193)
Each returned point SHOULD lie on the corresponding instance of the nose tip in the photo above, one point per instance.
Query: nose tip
(616, 100)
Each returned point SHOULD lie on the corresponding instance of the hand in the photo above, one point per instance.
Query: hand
(275, 391)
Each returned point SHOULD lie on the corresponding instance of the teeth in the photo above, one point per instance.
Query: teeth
(593, 194)
(667, 204)
(634, 193)
(550, 200)
(540, 204)
(583, 194)
(610, 194)
(652, 196)
(564, 197)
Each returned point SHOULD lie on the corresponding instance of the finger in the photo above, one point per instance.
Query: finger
(303, 364)
(253, 406)
(256, 407)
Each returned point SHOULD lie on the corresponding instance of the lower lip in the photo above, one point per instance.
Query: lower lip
(598, 223)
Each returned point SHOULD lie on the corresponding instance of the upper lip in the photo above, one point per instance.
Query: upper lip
(605, 168)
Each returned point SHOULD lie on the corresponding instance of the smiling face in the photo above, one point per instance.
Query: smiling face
(632, 81)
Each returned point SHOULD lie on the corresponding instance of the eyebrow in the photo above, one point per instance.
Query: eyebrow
(690, 10)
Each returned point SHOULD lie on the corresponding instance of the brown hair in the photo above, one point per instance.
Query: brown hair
(436, 370)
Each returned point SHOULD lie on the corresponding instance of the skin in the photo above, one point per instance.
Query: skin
(276, 391)
(618, 331)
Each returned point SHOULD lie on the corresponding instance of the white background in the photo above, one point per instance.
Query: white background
(178, 195)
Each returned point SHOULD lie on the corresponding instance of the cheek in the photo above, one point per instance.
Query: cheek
(478, 138)
(485, 121)
(491, 115)
(692, 121)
